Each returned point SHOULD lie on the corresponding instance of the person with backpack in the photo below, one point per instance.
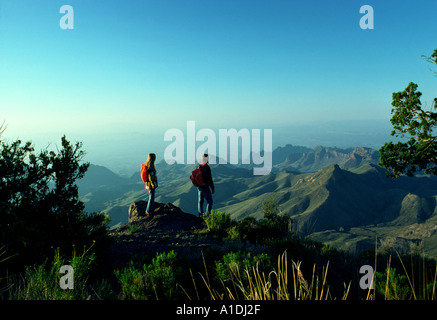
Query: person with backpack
(206, 189)
(150, 179)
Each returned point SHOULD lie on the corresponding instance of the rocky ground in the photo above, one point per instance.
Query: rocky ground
(168, 228)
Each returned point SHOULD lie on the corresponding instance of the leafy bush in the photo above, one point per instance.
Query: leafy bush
(218, 223)
(273, 226)
(234, 264)
(248, 229)
(155, 280)
(233, 233)
(39, 202)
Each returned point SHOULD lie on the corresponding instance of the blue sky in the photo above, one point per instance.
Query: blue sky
(222, 63)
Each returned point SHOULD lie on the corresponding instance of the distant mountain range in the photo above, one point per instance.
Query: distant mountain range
(336, 196)
(303, 159)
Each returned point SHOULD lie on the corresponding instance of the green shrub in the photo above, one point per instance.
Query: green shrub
(155, 280)
(272, 228)
(39, 203)
(233, 233)
(218, 223)
(274, 225)
(392, 286)
(234, 265)
(249, 229)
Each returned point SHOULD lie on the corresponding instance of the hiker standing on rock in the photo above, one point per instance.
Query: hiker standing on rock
(150, 179)
(204, 192)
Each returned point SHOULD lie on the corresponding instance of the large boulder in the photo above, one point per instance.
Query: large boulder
(137, 210)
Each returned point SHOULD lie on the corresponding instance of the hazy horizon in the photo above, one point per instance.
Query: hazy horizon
(129, 71)
(122, 152)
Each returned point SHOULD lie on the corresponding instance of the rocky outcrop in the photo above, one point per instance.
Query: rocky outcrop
(166, 216)
(167, 228)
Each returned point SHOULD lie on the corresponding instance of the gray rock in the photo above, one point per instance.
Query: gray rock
(137, 210)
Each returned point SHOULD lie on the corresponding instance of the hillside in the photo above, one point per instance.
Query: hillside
(349, 208)
(98, 176)
(346, 205)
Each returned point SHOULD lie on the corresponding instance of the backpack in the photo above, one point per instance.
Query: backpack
(144, 173)
(196, 177)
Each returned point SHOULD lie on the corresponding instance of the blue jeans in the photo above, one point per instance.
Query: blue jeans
(204, 193)
(151, 202)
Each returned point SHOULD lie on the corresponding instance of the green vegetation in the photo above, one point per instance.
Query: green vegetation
(155, 280)
(40, 210)
(273, 225)
(228, 268)
(218, 223)
(392, 285)
(417, 279)
(39, 202)
(411, 121)
(243, 267)
(41, 281)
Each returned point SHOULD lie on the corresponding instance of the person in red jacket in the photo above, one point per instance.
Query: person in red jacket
(150, 179)
(205, 192)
